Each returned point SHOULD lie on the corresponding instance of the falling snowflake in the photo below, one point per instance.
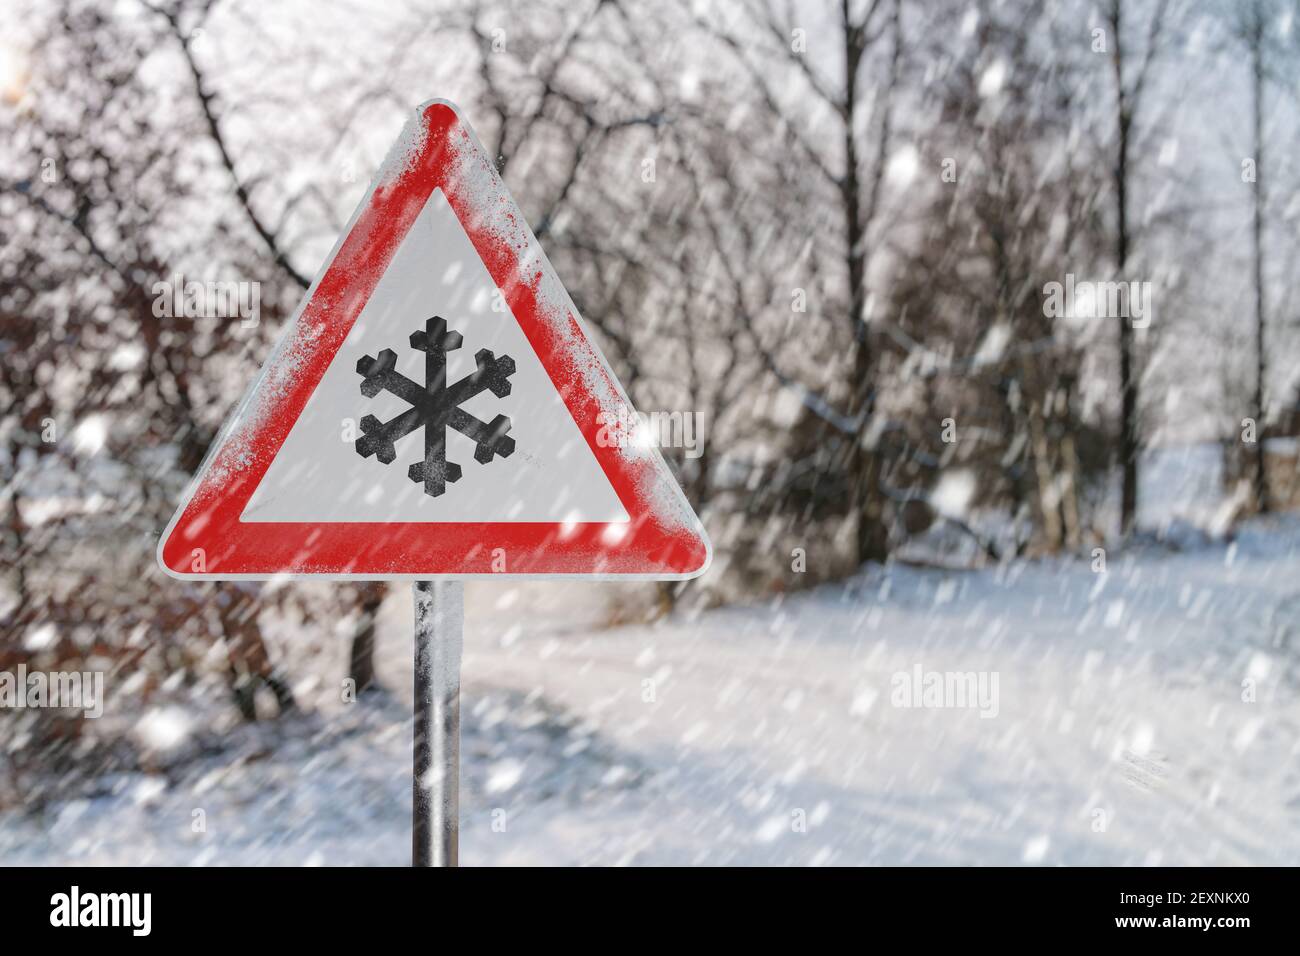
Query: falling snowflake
(435, 406)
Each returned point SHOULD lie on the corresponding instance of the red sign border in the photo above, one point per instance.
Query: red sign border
(205, 540)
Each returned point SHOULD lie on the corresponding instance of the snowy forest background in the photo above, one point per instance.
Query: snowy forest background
(825, 229)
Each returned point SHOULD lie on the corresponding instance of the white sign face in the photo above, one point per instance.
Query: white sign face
(552, 475)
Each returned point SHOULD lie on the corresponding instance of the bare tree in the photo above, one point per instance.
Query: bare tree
(88, 188)
(1131, 83)
(1252, 25)
(848, 160)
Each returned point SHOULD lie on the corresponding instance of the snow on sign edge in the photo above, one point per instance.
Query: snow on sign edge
(233, 448)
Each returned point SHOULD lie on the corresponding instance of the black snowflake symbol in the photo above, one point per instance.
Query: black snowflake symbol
(435, 406)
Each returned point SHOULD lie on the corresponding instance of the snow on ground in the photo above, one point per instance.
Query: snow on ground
(1147, 714)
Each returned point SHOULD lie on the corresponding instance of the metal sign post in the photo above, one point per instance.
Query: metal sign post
(439, 627)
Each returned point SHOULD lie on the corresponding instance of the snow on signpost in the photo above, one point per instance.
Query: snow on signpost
(437, 257)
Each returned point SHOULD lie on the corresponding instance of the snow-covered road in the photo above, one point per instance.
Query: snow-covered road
(1117, 732)
(1120, 733)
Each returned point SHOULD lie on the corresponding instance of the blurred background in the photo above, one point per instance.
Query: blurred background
(872, 248)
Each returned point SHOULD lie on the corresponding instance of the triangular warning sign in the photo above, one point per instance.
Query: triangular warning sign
(435, 409)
